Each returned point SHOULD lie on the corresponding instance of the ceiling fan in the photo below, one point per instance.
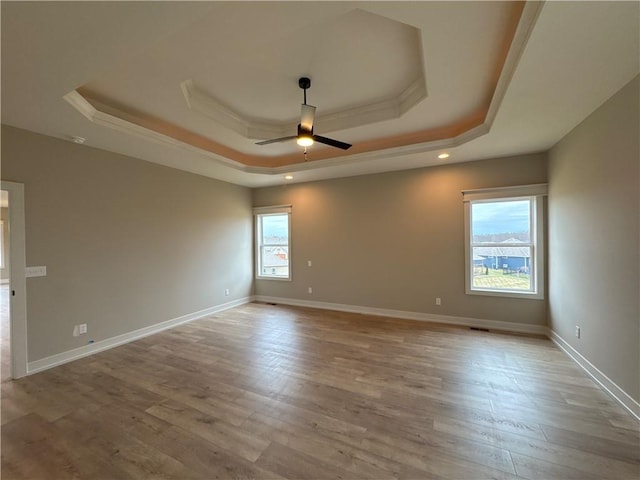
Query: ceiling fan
(305, 136)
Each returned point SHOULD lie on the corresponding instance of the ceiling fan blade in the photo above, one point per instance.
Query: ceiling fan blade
(306, 116)
(276, 140)
(332, 142)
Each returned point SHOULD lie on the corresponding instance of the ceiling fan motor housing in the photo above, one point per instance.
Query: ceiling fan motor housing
(304, 82)
(304, 131)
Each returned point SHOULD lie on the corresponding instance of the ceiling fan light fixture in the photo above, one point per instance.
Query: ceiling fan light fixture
(305, 140)
(305, 137)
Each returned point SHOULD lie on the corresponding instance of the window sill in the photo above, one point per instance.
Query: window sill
(497, 293)
(277, 279)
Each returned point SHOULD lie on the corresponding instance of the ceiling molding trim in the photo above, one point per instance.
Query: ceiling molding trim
(528, 18)
(374, 112)
(253, 129)
(358, 116)
(213, 109)
(389, 154)
(115, 123)
(413, 94)
(81, 104)
(122, 125)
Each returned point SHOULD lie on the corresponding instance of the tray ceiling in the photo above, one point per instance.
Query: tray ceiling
(195, 85)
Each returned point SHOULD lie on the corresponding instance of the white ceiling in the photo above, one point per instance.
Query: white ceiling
(402, 81)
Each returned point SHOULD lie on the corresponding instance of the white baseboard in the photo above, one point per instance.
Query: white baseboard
(601, 379)
(425, 317)
(86, 350)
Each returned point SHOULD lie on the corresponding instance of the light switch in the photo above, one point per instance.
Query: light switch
(35, 272)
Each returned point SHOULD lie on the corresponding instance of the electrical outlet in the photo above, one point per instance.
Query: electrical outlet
(226, 292)
(82, 328)
(438, 301)
(577, 331)
(308, 263)
(310, 290)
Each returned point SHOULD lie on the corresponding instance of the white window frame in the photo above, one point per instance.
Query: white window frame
(534, 193)
(1, 243)
(259, 213)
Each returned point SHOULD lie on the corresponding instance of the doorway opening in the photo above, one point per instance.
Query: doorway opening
(13, 285)
(5, 275)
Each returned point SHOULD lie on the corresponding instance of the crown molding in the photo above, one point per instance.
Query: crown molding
(390, 153)
(118, 123)
(528, 18)
(215, 110)
(253, 129)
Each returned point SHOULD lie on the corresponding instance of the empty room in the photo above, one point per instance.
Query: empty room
(320, 240)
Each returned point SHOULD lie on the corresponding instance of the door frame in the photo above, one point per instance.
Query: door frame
(18, 282)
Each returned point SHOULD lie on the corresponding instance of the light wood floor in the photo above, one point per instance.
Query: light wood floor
(265, 391)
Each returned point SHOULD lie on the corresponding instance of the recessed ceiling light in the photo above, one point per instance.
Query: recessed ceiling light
(443, 155)
(288, 177)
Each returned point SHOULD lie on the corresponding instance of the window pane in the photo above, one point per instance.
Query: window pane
(275, 229)
(502, 268)
(275, 261)
(496, 222)
(273, 246)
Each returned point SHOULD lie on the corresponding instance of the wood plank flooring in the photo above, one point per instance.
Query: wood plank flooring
(269, 392)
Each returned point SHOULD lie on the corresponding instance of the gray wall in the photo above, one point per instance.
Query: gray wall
(594, 256)
(395, 240)
(127, 243)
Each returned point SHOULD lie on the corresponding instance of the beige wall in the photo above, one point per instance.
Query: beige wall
(594, 257)
(395, 240)
(127, 243)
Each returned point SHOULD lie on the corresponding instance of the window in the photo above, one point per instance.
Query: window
(273, 232)
(504, 249)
